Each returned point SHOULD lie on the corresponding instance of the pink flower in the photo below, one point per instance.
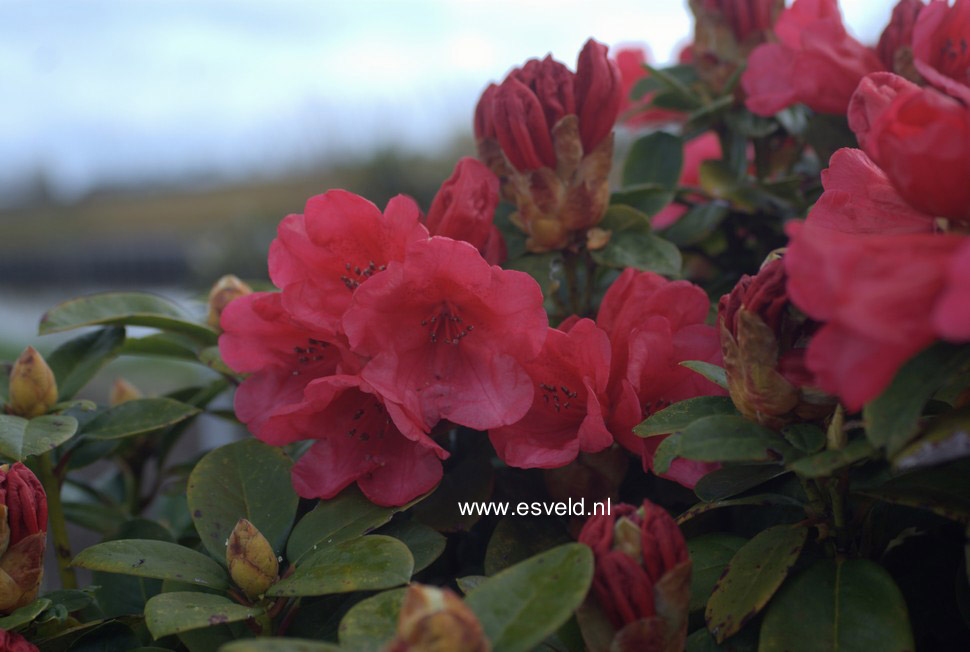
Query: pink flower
(569, 404)
(341, 240)
(448, 334)
(898, 34)
(464, 208)
(941, 46)
(815, 62)
(654, 324)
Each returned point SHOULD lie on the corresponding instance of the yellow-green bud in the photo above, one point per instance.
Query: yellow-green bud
(252, 563)
(33, 390)
(122, 391)
(436, 620)
(224, 291)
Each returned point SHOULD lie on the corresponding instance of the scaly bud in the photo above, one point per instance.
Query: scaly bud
(122, 391)
(23, 536)
(252, 563)
(225, 290)
(436, 620)
(33, 389)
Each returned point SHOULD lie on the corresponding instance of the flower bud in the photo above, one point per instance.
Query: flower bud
(14, 642)
(122, 391)
(436, 620)
(33, 389)
(23, 536)
(464, 207)
(764, 347)
(725, 32)
(225, 290)
(642, 575)
(253, 565)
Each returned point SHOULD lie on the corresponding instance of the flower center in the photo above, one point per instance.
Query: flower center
(446, 325)
(551, 397)
(355, 274)
(368, 421)
(955, 59)
(307, 356)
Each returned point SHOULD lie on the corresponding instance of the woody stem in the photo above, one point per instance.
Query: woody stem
(58, 525)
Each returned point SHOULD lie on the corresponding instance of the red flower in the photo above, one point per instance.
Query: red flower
(569, 405)
(654, 324)
(598, 94)
(448, 335)
(951, 317)
(23, 496)
(634, 550)
(706, 147)
(898, 35)
(921, 140)
(629, 61)
(340, 241)
(815, 62)
(14, 642)
(359, 440)
(941, 46)
(464, 207)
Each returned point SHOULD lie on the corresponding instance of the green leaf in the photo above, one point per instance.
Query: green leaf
(365, 564)
(646, 198)
(76, 361)
(425, 543)
(246, 479)
(654, 158)
(733, 479)
(123, 308)
(678, 416)
(344, 517)
(943, 490)
(712, 372)
(469, 583)
(828, 462)
(515, 539)
(721, 438)
(168, 345)
(827, 133)
(279, 645)
(96, 517)
(24, 615)
(702, 641)
(372, 622)
(709, 554)
(849, 605)
(546, 269)
(696, 224)
(946, 439)
(20, 438)
(633, 244)
(211, 358)
(760, 500)
(471, 480)
(137, 417)
(806, 437)
(156, 559)
(523, 604)
(892, 418)
(172, 613)
(752, 577)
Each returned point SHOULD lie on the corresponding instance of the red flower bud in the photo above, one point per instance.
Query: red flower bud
(639, 553)
(25, 501)
(464, 207)
(484, 125)
(23, 536)
(599, 93)
(521, 127)
(14, 642)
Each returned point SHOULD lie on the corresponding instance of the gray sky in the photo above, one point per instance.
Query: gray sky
(96, 91)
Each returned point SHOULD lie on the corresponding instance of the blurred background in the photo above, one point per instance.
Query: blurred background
(156, 144)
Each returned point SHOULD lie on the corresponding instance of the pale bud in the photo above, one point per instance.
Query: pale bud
(33, 389)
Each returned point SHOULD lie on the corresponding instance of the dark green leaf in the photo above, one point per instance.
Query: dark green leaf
(760, 500)
(655, 158)
(372, 622)
(545, 268)
(137, 417)
(364, 564)
(123, 308)
(640, 249)
(425, 543)
(20, 438)
(943, 490)
(851, 605)
(96, 517)
(469, 583)
(806, 437)
(172, 613)
(752, 577)
(827, 133)
(168, 345)
(892, 419)
(733, 479)
(696, 224)
(709, 554)
(721, 438)
(516, 539)
(156, 559)
(712, 372)
(287, 644)
(646, 198)
(523, 604)
(946, 439)
(76, 361)
(678, 416)
(25, 614)
(246, 479)
(828, 462)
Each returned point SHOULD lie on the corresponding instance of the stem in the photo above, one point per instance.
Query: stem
(569, 261)
(58, 526)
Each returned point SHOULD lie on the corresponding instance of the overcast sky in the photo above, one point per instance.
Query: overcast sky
(99, 91)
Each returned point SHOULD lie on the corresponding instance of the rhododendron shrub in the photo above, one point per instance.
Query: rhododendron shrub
(680, 360)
